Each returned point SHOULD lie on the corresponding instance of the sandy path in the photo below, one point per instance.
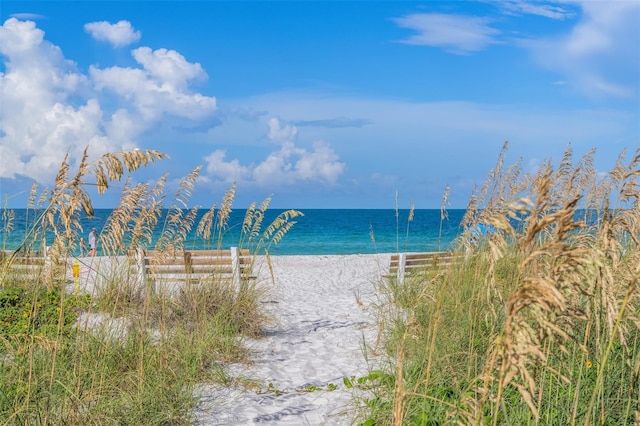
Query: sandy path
(323, 316)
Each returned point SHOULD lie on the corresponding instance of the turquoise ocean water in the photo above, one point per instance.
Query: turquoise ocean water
(319, 231)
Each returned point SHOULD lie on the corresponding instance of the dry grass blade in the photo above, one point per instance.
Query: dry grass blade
(445, 202)
(185, 225)
(158, 188)
(77, 185)
(117, 226)
(111, 166)
(277, 237)
(42, 200)
(177, 225)
(225, 208)
(258, 217)
(498, 189)
(69, 198)
(560, 268)
(248, 219)
(206, 224)
(185, 188)
(32, 195)
(247, 224)
(280, 221)
(8, 218)
(277, 229)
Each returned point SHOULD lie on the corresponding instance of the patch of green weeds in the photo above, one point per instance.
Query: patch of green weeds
(271, 388)
(38, 312)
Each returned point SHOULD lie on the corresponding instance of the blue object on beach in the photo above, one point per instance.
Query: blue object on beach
(484, 229)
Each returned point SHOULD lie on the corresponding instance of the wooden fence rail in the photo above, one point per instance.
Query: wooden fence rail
(194, 266)
(403, 265)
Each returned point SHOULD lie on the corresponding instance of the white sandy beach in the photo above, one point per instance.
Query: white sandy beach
(324, 318)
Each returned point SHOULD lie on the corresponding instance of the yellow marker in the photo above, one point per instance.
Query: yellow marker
(76, 274)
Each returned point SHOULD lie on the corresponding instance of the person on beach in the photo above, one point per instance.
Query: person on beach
(93, 242)
(83, 247)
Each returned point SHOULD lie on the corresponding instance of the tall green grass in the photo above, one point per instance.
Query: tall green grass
(540, 324)
(140, 360)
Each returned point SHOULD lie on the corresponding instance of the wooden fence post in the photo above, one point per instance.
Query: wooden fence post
(402, 261)
(235, 265)
(141, 267)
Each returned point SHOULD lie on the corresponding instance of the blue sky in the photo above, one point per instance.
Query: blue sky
(325, 104)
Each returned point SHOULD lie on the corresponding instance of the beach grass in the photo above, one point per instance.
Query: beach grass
(539, 325)
(121, 354)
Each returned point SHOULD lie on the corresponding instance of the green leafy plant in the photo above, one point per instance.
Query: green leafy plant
(43, 313)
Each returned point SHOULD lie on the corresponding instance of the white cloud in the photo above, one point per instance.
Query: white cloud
(226, 171)
(124, 127)
(286, 166)
(168, 66)
(161, 86)
(38, 122)
(455, 33)
(600, 55)
(320, 163)
(50, 108)
(418, 148)
(279, 134)
(118, 34)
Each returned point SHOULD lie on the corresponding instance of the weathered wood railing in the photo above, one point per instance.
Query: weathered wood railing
(29, 265)
(192, 266)
(403, 265)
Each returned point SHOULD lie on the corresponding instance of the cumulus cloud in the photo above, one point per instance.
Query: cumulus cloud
(39, 123)
(279, 134)
(118, 34)
(51, 108)
(287, 165)
(457, 34)
(160, 86)
(226, 171)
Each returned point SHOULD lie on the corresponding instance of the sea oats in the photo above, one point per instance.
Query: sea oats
(248, 219)
(177, 225)
(258, 217)
(278, 228)
(225, 209)
(44, 196)
(111, 166)
(206, 224)
(32, 195)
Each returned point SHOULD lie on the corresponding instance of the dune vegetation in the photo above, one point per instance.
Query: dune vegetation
(140, 366)
(539, 324)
